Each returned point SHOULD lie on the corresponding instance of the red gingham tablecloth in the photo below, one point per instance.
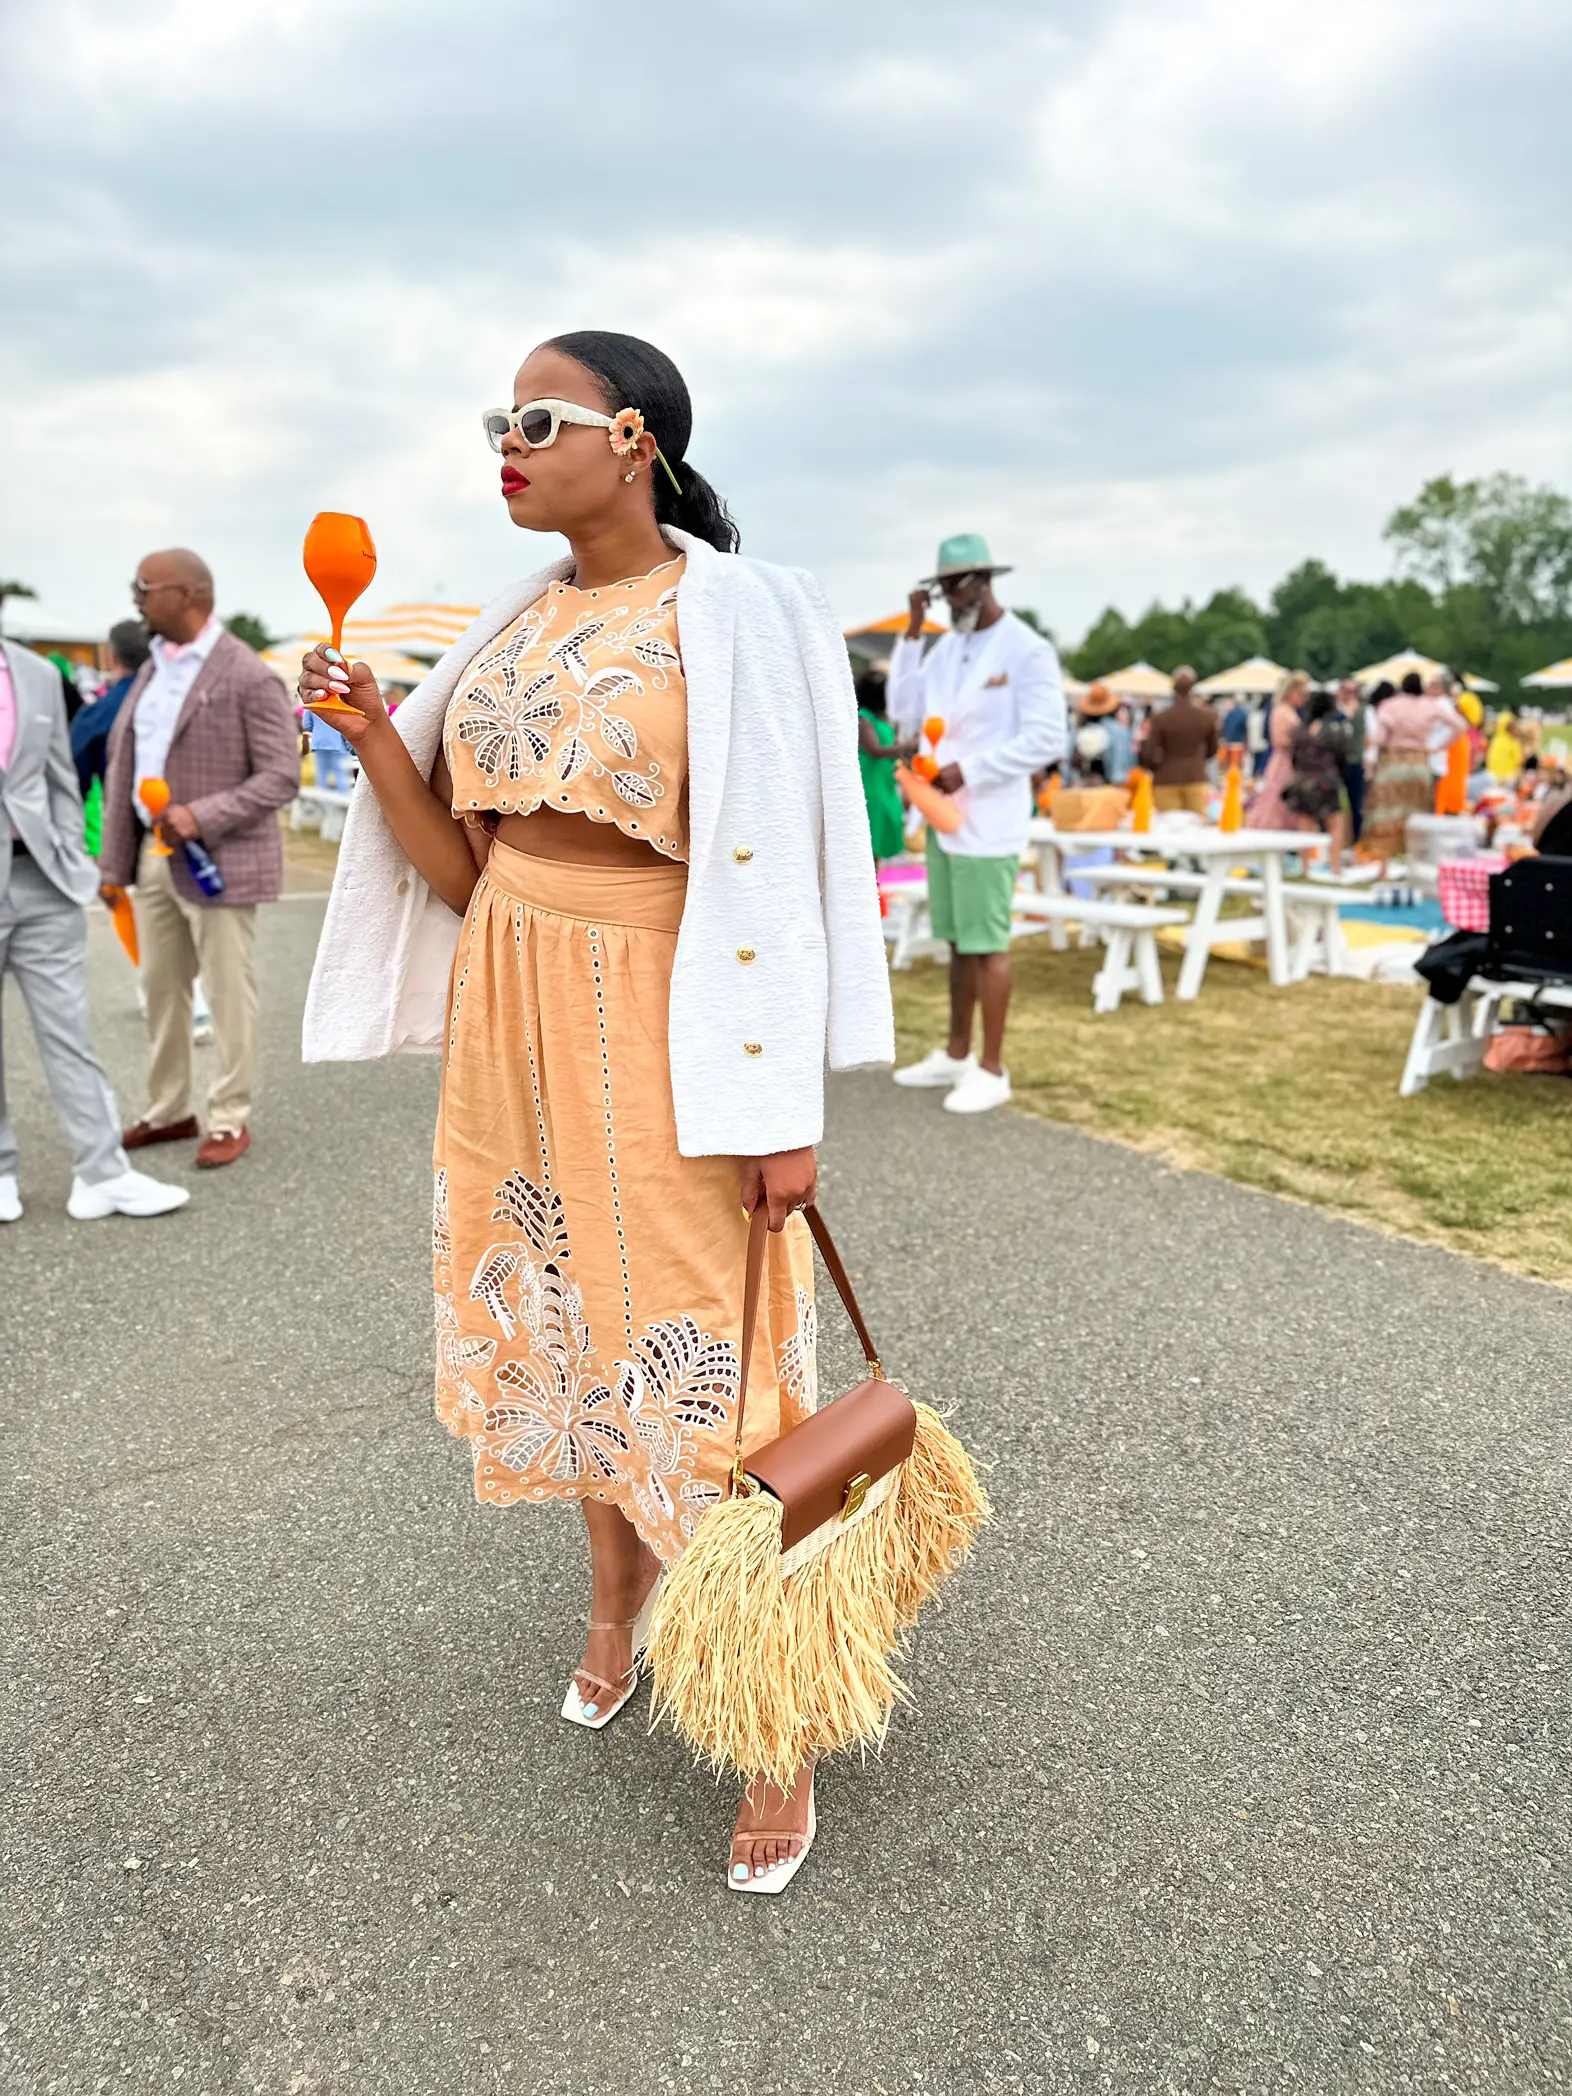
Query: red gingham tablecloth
(1465, 890)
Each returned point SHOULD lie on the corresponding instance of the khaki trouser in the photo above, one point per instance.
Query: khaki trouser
(181, 940)
(1190, 800)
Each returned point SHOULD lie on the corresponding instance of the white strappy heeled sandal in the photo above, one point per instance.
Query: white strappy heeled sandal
(596, 1716)
(779, 1875)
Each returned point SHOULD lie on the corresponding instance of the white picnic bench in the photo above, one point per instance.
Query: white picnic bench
(1218, 851)
(1450, 1039)
(1316, 945)
(319, 808)
(1128, 930)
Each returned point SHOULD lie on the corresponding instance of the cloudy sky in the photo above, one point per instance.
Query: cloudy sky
(1159, 294)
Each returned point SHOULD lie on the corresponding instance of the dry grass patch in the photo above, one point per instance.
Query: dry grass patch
(1293, 1091)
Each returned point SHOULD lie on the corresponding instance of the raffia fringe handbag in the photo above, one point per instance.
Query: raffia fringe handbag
(774, 1633)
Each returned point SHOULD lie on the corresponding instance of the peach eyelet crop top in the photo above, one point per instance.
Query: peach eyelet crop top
(580, 705)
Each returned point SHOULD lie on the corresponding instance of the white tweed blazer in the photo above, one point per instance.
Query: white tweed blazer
(780, 863)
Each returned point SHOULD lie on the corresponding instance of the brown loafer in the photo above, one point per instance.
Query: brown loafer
(141, 1133)
(223, 1146)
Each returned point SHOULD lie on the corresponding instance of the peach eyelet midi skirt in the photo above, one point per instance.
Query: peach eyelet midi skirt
(589, 1278)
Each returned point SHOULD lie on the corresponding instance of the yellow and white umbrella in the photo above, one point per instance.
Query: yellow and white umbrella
(1556, 678)
(1254, 679)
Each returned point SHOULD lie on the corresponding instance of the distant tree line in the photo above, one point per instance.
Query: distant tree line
(1483, 583)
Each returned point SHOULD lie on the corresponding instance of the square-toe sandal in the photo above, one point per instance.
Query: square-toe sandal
(596, 1716)
(779, 1875)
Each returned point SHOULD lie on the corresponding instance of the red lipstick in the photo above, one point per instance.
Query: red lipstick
(512, 480)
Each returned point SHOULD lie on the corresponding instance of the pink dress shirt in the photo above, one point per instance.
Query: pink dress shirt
(7, 714)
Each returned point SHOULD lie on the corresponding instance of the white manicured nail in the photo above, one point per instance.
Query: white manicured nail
(739, 1870)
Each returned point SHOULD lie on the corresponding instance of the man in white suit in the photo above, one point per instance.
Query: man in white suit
(46, 882)
(995, 683)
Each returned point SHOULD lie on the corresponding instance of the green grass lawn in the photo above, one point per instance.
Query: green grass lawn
(1293, 1091)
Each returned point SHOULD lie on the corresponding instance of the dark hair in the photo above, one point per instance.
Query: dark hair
(870, 691)
(1384, 690)
(1412, 685)
(635, 374)
(129, 641)
(1318, 706)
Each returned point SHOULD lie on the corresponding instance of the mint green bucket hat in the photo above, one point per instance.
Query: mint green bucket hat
(965, 554)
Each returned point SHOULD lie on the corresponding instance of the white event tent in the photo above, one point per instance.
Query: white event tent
(1258, 678)
(1397, 667)
(1139, 681)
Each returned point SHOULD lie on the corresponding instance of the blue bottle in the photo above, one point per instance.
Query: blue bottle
(204, 868)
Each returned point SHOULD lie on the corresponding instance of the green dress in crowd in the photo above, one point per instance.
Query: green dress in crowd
(886, 816)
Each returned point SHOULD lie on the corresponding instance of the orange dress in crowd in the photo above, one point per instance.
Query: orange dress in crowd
(588, 1277)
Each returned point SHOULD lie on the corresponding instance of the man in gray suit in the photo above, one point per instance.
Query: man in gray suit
(46, 882)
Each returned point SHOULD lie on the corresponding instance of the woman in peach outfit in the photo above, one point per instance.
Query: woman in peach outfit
(627, 804)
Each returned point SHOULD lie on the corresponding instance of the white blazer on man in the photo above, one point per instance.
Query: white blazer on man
(40, 799)
(780, 866)
(1000, 695)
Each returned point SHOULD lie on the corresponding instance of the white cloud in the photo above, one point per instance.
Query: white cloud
(1163, 294)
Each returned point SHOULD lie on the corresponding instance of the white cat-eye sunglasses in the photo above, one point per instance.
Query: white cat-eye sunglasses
(538, 422)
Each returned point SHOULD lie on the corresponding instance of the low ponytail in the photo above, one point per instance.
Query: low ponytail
(635, 374)
(698, 510)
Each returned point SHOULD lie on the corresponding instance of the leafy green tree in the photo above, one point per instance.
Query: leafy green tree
(1484, 584)
(1500, 535)
(1227, 629)
(251, 630)
(1109, 645)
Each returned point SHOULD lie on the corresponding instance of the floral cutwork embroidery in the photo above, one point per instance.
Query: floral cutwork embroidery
(536, 1401)
(564, 716)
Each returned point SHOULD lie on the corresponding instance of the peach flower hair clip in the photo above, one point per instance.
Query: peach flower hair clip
(627, 426)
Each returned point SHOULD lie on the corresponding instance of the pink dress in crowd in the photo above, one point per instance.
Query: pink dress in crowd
(1268, 811)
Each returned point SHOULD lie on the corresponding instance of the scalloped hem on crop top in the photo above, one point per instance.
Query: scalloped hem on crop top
(581, 706)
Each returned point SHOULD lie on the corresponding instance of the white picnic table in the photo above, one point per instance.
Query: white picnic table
(1218, 851)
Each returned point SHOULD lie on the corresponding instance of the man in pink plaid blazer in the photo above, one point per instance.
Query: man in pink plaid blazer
(207, 715)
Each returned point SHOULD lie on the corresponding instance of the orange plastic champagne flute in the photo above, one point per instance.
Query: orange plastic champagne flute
(123, 917)
(154, 796)
(933, 728)
(1232, 817)
(340, 561)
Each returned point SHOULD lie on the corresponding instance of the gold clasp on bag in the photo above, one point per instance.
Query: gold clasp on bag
(854, 1495)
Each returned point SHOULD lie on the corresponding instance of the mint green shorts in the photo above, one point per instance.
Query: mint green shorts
(969, 899)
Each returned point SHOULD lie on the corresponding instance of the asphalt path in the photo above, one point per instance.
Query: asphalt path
(1238, 1759)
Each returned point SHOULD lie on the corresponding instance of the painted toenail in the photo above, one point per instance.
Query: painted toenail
(590, 1709)
(758, 1870)
(739, 1870)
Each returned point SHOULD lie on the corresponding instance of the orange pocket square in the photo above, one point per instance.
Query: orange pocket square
(993, 683)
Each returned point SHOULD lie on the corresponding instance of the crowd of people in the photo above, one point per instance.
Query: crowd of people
(1351, 762)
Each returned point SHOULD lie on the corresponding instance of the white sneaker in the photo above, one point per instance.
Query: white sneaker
(938, 1067)
(10, 1199)
(128, 1193)
(979, 1091)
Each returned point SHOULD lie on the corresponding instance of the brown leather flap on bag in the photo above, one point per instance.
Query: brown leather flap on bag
(866, 1433)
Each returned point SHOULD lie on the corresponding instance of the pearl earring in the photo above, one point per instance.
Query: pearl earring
(627, 476)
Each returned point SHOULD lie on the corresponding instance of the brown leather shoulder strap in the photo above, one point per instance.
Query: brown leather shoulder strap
(758, 1238)
(843, 1288)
